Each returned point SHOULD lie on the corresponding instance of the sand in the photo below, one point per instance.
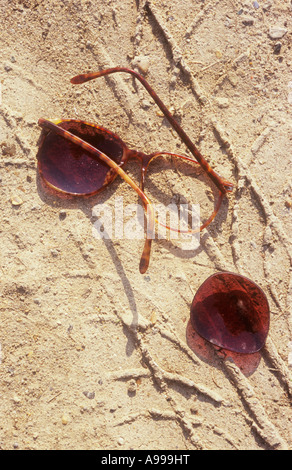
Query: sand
(95, 355)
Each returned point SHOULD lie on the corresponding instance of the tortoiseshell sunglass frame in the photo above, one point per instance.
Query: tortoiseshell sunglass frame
(116, 169)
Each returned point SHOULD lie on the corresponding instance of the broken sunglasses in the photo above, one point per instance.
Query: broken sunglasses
(79, 158)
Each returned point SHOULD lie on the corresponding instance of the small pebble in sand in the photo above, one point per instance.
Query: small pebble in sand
(132, 387)
(277, 32)
(222, 102)
(8, 148)
(89, 395)
(64, 419)
(16, 399)
(16, 200)
(248, 21)
(62, 215)
(277, 47)
(142, 62)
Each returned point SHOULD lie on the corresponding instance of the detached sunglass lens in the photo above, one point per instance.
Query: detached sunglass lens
(231, 312)
(69, 168)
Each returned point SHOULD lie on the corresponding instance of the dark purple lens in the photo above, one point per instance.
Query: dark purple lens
(69, 167)
(231, 312)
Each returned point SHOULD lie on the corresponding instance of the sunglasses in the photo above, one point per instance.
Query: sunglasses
(231, 312)
(81, 159)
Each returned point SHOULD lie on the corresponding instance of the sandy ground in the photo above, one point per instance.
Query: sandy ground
(95, 355)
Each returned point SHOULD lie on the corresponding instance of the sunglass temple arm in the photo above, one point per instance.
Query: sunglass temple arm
(222, 185)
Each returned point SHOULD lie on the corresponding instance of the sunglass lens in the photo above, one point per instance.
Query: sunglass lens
(69, 168)
(231, 312)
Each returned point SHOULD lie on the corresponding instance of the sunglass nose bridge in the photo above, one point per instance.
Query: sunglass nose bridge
(144, 160)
